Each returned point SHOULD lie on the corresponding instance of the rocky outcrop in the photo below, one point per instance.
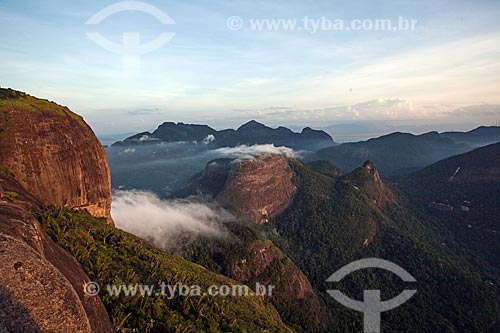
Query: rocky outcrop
(262, 255)
(41, 285)
(259, 188)
(368, 179)
(54, 154)
(266, 264)
(210, 181)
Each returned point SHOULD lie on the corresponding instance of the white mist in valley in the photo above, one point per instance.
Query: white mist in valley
(169, 224)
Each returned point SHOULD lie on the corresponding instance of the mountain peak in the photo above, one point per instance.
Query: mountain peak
(259, 188)
(369, 165)
(368, 179)
(251, 125)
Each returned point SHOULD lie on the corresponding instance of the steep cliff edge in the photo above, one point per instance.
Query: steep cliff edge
(48, 156)
(259, 188)
(51, 151)
(265, 263)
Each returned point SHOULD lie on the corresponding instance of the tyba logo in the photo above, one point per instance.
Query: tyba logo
(371, 306)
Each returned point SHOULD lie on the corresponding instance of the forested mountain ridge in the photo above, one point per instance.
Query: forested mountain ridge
(459, 197)
(250, 133)
(394, 153)
(335, 219)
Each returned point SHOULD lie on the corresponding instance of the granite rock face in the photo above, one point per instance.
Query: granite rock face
(54, 154)
(259, 188)
(268, 265)
(375, 187)
(41, 285)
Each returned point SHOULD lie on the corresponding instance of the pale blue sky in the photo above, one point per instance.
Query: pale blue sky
(447, 70)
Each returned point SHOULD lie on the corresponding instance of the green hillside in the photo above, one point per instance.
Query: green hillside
(470, 184)
(111, 256)
(333, 222)
(241, 249)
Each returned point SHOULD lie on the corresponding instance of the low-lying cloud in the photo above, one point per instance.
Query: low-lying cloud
(208, 139)
(167, 167)
(169, 224)
(247, 152)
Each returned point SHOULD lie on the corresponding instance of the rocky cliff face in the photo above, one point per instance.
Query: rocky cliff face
(41, 285)
(259, 188)
(266, 264)
(262, 257)
(51, 151)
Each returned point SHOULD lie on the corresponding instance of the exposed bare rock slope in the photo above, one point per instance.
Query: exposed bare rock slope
(263, 258)
(49, 149)
(41, 285)
(259, 188)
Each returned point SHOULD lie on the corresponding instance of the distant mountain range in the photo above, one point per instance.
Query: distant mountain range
(477, 137)
(250, 133)
(395, 153)
(401, 153)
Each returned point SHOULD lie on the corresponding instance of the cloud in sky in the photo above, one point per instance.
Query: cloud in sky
(449, 76)
(463, 71)
(484, 110)
(207, 72)
(142, 112)
(387, 109)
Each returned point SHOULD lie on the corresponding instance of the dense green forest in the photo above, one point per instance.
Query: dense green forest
(333, 222)
(241, 245)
